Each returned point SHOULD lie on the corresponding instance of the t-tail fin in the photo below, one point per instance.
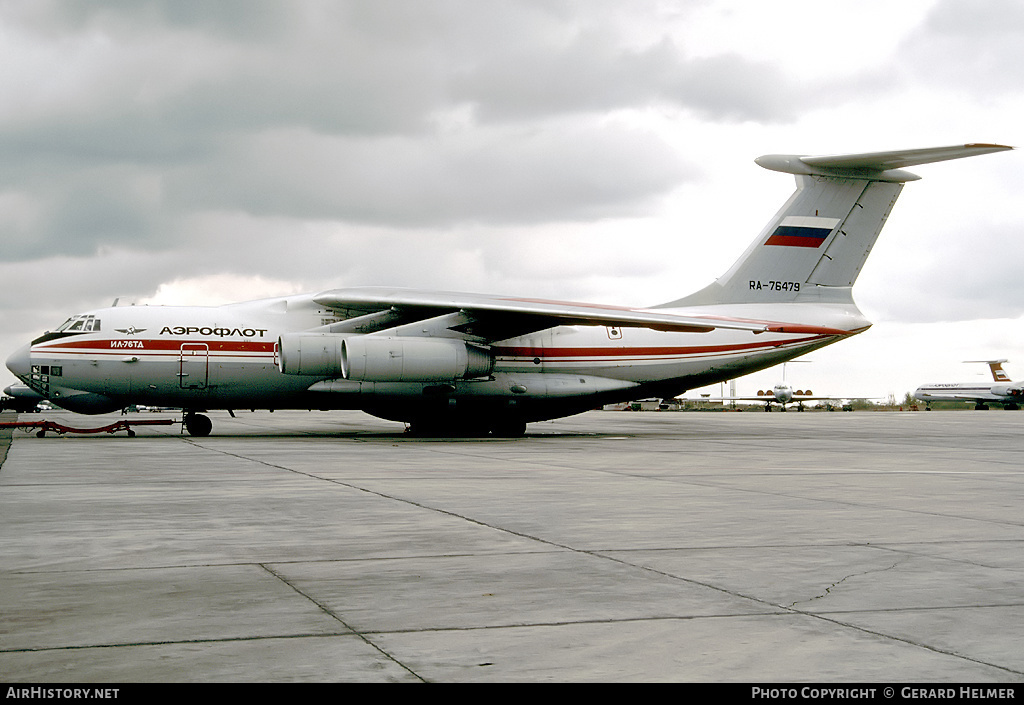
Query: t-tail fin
(815, 246)
(998, 373)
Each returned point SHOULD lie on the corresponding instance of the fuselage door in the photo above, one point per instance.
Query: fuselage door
(194, 366)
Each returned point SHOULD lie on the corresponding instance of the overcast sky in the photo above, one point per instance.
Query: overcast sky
(187, 151)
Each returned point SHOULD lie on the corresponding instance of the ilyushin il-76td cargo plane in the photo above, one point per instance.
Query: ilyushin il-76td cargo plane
(467, 363)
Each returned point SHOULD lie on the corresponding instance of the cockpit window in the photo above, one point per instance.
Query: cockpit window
(79, 324)
(72, 326)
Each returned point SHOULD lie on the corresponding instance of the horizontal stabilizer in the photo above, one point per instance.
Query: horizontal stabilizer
(874, 166)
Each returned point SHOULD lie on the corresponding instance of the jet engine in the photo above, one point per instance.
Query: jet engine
(310, 354)
(366, 358)
(1008, 390)
(370, 358)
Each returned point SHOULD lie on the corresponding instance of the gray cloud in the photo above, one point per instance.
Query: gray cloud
(977, 48)
(498, 176)
(250, 19)
(146, 112)
(593, 73)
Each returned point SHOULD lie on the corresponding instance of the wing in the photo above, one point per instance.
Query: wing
(491, 318)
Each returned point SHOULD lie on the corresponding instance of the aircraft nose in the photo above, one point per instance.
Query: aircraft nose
(20, 362)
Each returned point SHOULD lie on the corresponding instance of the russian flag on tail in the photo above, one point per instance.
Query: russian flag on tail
(802, 231)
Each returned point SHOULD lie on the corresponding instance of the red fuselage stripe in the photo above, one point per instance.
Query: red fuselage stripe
(608, 351)
(119, 346)
(122, 345)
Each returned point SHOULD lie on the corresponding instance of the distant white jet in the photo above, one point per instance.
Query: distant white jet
(468, 363)
(1004, 391)
(781, 394)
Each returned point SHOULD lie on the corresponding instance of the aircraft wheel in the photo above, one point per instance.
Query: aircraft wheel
(198, 425)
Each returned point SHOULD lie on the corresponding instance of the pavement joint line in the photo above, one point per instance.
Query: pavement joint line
(364, 636)
(911, 642)
(854, 627)
(901, 551)
(329, 612)
(641, 567)
(673, 481)
(858, 505)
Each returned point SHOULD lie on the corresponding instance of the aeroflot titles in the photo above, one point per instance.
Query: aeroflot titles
(222, 332)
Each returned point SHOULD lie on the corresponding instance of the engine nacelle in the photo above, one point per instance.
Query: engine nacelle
(1008, 390)
(310, 354)
(369, 358)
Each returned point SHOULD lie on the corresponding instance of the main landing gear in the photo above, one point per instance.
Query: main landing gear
(197, 424)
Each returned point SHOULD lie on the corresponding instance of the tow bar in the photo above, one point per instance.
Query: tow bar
(61, 429)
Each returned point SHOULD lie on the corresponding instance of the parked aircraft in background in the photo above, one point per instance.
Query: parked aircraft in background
(451, 362)
(781, 394)
(20, 398)
(1004, 391)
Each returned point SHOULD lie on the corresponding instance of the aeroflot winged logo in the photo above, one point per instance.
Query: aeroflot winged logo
(130, 330)
(802, 231)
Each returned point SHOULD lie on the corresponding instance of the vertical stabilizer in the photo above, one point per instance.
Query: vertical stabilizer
(998, 373)
(815, 247)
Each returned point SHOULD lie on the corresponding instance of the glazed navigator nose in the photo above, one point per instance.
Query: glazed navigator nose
(20, 363)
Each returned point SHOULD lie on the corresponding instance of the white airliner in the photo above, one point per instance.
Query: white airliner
(1006, 392)
(780, 394)
(451, 362)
